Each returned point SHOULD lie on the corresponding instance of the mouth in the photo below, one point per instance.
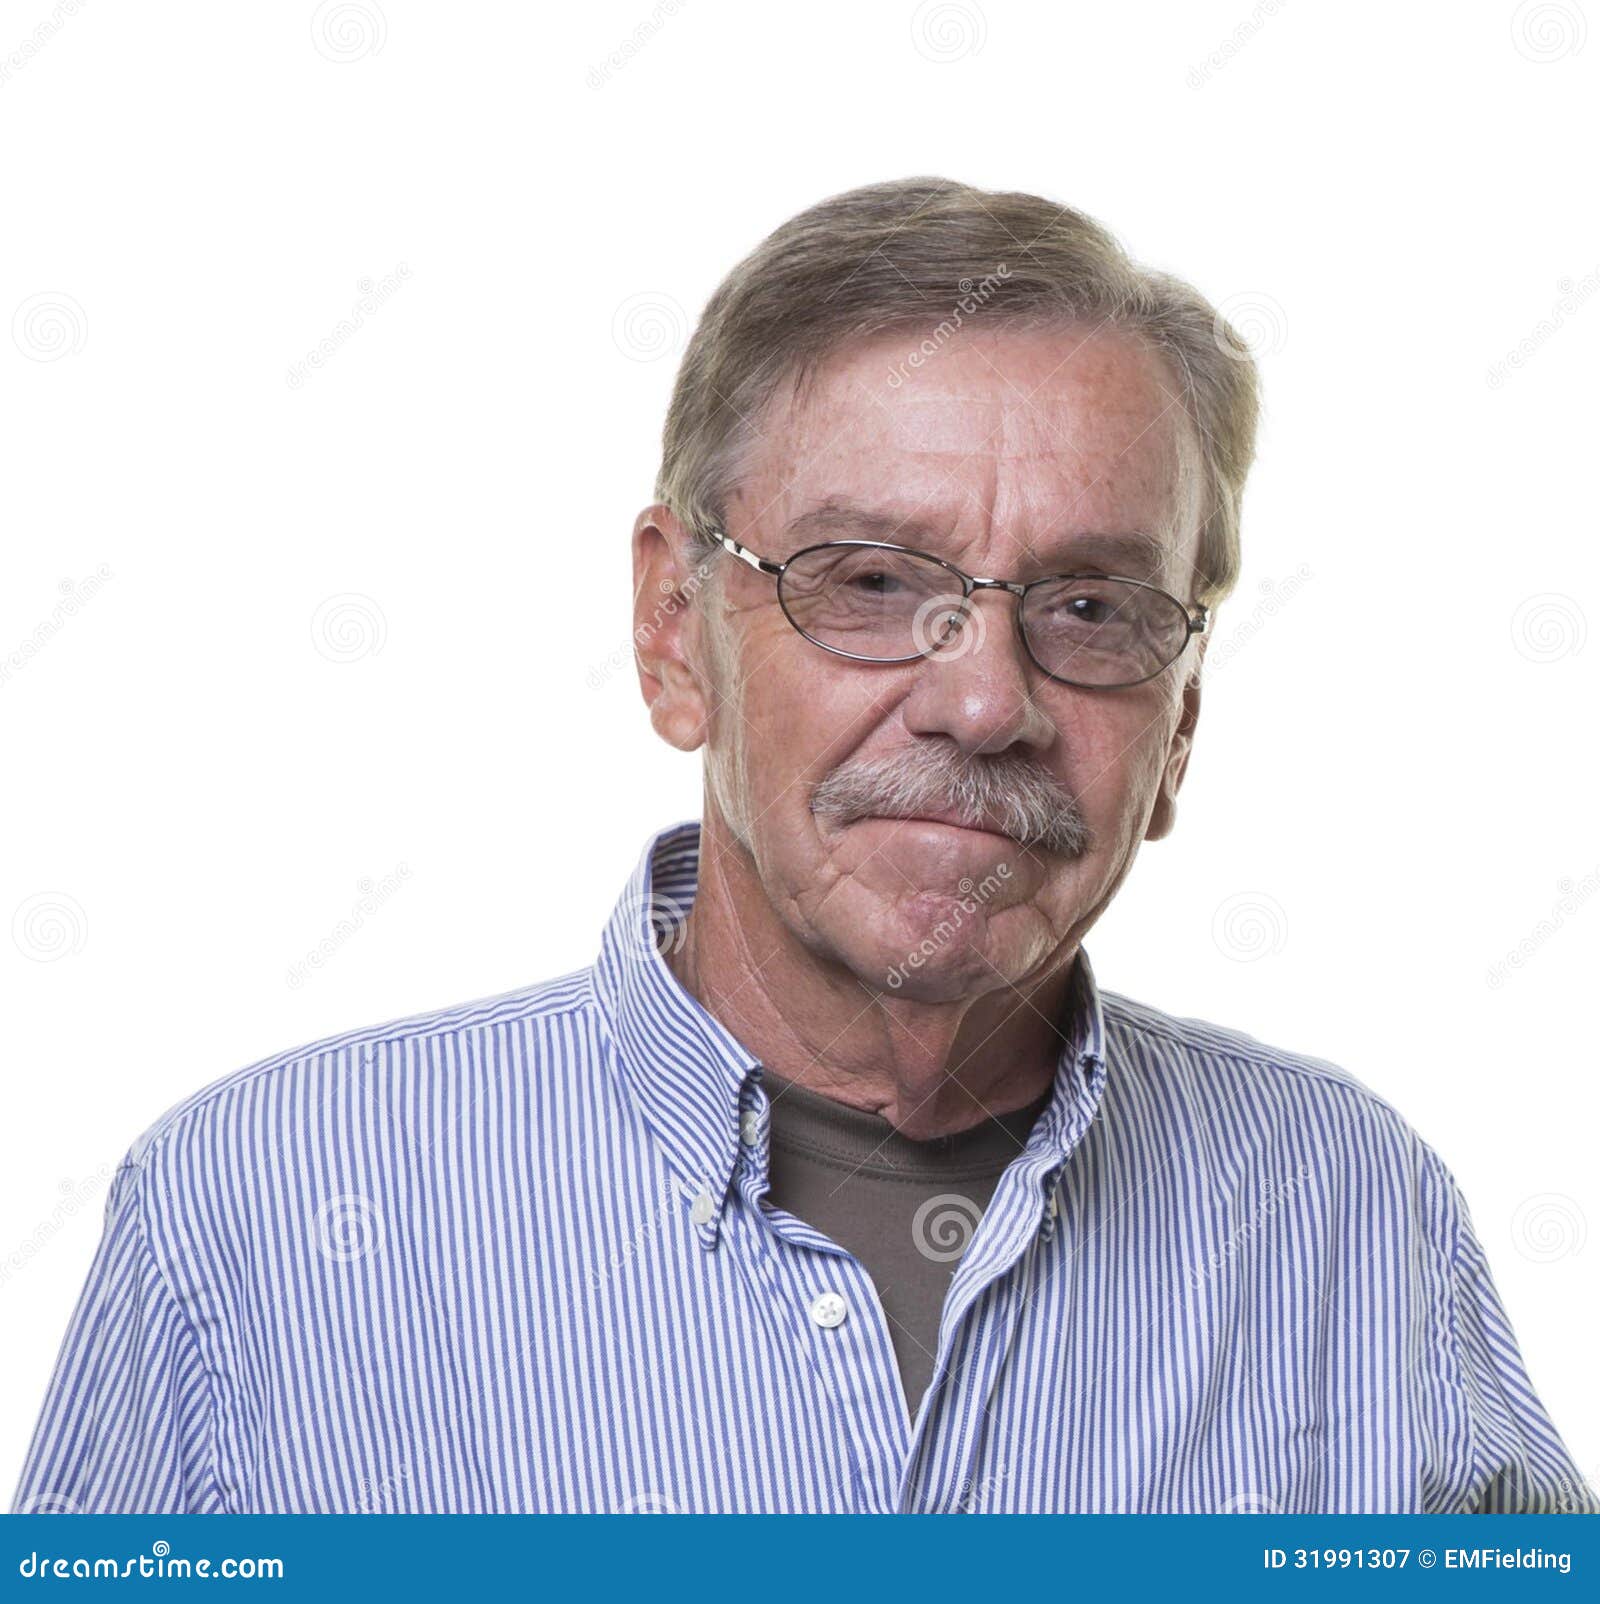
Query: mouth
(949, 821)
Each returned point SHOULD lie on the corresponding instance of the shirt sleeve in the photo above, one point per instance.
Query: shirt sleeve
(126, 1426)
(1512, 1456)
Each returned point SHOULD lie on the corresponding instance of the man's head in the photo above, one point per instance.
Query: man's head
(989, 379)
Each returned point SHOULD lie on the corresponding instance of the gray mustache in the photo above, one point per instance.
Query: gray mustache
(1007, 793)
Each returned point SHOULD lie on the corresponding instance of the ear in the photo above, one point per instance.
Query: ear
(1166, 807)
(666, 627)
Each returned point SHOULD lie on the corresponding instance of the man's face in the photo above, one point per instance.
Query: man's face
(1004, 454)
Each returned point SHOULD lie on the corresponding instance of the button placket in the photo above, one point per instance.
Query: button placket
(851, 1360)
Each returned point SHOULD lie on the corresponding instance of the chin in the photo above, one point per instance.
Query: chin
(927, 969)
(934, 986)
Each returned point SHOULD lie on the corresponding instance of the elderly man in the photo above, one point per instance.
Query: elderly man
(836, 1184)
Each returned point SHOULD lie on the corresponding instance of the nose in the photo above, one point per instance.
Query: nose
(977, 688)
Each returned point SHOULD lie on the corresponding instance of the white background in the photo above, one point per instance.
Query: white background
(1394, 782)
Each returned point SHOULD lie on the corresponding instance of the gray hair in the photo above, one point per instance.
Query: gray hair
(877, 259)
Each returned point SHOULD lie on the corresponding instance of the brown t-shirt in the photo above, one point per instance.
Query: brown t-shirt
(904, 1209)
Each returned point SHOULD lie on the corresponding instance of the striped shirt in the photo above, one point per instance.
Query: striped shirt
(515, 1256)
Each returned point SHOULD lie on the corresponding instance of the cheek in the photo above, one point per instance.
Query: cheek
(1117, 757)
(799, 713)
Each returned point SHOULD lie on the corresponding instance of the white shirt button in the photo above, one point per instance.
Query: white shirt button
(1051, 1207)
(749, 1127)
(828, 1309)
(702, 1209)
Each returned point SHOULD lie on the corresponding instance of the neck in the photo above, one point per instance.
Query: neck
(930, 1069)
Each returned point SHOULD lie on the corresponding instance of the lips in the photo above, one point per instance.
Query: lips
(955, 821)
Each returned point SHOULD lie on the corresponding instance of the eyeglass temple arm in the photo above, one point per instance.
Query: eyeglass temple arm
(1200, 620)
(744, 553)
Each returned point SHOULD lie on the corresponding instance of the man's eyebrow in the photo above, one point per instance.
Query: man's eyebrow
(835, 518)
(1132, 551)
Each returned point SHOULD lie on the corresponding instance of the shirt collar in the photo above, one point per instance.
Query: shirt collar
(691, 1078)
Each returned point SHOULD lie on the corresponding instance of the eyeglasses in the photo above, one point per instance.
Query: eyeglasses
(879, 603)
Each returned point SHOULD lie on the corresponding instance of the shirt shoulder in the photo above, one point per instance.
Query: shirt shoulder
(1217, 1064)
(222, 1098)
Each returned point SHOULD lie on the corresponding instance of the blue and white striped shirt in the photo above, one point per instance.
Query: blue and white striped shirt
(514, 1256)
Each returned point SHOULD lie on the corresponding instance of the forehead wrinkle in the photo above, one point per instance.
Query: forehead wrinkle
(954, 428)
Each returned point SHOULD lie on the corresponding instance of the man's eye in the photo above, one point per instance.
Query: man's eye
(874, 582)
(1081, 609)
